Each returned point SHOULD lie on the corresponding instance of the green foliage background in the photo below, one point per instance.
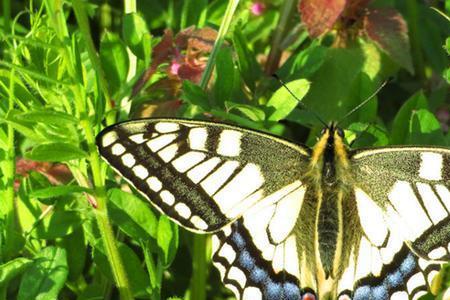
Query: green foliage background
(71, 229)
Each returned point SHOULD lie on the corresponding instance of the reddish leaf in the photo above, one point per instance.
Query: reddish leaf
(199, 40)
(56, 173)
(185, 54)
(354, 8)
(387, 28)
(319, 16)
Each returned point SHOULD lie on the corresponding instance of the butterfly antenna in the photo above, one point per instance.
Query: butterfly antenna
(364, 102)
(303, 105)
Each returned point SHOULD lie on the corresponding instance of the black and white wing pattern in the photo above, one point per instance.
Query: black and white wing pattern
(203, 175)
(292, 223)
(403, 201)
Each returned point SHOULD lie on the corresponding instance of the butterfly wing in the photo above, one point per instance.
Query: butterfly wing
(203, 175)
(389, 271)
(402, 194)
(257, 255)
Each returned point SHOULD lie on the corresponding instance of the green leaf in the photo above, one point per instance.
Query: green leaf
(304, 64)
(400, 126)
(260, 29)
(282, 102)
(250, 69)
(425, 129)
(114, 58)
(387, 28)
(55, 152)
(193, 94)
(330, 94)
(167, 239)
(364, 135)
(133, 216)
(47, 116)
(75, 246)
(59, 224)
(193, 13)
(57, 191)
(22, 127)
(46, 275)
(223, 87)
(250, 111)
(136, 275)
(133, 31)
(13, 268)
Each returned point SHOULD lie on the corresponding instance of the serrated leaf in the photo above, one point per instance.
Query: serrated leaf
(57, 191)
(132, 215)
(55, 152)
(46, 275)
(282, 102)
(387, 28)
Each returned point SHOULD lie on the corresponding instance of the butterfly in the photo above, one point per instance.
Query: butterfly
(291, 222)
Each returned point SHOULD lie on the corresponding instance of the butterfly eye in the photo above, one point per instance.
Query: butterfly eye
(322, 132)
(340, 132)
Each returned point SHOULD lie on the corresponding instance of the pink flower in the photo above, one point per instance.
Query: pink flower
(174, 67)
(258, 8)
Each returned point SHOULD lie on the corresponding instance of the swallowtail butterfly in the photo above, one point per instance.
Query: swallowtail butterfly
(290, 222)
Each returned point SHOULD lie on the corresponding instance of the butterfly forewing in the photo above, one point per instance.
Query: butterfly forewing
(202, 175)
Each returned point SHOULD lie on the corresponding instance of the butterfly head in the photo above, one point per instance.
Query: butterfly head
(331, 134)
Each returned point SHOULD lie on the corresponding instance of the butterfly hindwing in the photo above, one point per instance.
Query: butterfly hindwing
(193, 171)
(246, 272)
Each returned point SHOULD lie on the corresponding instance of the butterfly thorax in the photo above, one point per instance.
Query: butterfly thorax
(329, 178)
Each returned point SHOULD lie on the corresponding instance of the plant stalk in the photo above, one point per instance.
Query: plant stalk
(275, 51)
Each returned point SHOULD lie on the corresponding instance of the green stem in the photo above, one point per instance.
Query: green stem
(112, 252)
(106, 232)
(414, 36)
(7, 15)
(275, 50)
(83, 23)
(129, 7)
(199, 268)
(9, 170)
(226, 21)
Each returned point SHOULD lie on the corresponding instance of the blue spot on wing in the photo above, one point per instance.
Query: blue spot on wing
(259, 272)
(393, 278)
